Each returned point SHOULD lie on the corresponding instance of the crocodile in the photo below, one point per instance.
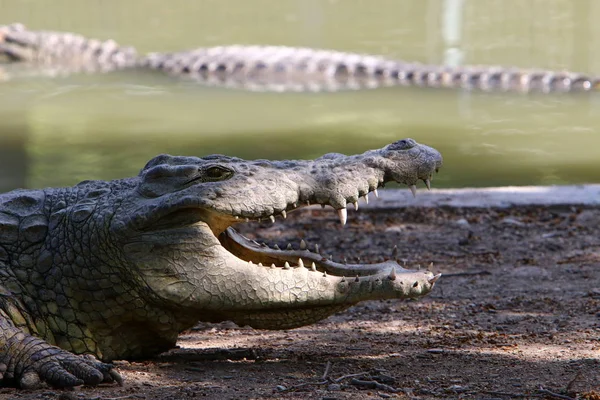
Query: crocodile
(109, 270)
(273, 68)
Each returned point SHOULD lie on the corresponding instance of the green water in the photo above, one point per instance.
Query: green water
(60, 131)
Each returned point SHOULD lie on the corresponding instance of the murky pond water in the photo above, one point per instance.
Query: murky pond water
(62, 130)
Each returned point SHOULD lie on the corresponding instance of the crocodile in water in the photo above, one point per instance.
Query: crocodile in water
(273, 68)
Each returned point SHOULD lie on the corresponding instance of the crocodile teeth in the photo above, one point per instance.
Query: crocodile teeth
(428, 184)
(316, 248)
(366, 197)
(276, 247)
(273, 266)
(355, 204)
(313, 267)
(272, 218)
(413, 190)
(325, 274)
(343, 214)
(302, 245)
(300, 263)
(392, 275)
(286, 265)
(260, 264)
(434, 279)
(376, 193)
(289, 247)
(284, 214)
(395, 252)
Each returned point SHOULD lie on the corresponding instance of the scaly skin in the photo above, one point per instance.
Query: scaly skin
(118, 269)
(275, 68)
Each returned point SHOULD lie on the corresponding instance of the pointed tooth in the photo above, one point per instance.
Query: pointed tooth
(284, 214)
(273, 266)
(302, 245)
(236, 217)
(289, 247)
(376, 193)
(345, 260)
(434, 279)
(250, 263)
(276, 247)
(355, 204)
(356, 279)
(413, 190)
(395, 252)
(366, 197)
(343, 214)
(325, 274)
(300, 263)
(392, 275)
(316, 248)
(263, 244)
(286, 265)
(331, 257)
(272, 218)
(294, 204)
(260, 264)
(428, 184)
(313, 267)
(430, 265)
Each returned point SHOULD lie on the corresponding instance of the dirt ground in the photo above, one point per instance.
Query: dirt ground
(517, 315)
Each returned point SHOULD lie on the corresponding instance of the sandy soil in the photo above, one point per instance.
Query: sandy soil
(517, 315)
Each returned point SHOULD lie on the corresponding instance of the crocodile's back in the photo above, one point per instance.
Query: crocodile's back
(277, 68)
(283, 68)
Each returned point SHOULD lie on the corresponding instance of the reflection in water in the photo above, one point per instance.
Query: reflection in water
(88, 127)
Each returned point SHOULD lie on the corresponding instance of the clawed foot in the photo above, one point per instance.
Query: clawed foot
(61, 369)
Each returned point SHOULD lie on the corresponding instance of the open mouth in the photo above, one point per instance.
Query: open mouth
(261, 255)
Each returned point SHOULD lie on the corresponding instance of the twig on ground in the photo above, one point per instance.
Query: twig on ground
(301, 385)
(543, 391)
(373, 385)
(327, 370)
(572, 382)
(511, 395)
(341, 378)
(467, 273)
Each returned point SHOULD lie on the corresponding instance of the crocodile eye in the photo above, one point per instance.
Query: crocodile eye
(403, 144)
(217, 173)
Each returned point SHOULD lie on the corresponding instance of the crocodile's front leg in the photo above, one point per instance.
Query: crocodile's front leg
(26, 361)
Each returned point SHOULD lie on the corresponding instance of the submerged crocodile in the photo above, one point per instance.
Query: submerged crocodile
(276, 68)
(118, 269)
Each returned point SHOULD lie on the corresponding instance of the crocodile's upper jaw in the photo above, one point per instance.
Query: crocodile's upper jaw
(187, 251)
